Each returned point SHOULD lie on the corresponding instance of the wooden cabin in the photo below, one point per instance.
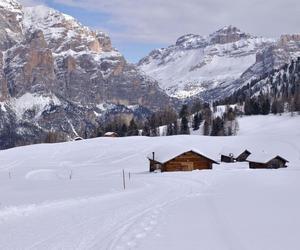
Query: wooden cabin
(234, 155)
(111, 134)
(185, 161)
(267, 162)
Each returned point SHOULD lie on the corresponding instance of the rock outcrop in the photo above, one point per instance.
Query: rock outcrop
(58, 76)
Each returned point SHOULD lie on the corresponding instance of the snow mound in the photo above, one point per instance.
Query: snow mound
(47, 174)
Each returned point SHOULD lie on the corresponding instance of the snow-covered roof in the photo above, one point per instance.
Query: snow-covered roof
(234, 151)
(110, 133)
(263, 157)
(164, 154)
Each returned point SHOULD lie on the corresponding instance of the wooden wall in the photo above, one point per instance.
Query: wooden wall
(187, 162)
(225, 158)
(275, 163)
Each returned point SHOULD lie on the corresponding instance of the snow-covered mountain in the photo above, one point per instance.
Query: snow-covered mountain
(58, 75)
(214, 66)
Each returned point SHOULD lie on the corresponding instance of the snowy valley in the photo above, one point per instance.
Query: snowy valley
(99, 153)
(70, 195)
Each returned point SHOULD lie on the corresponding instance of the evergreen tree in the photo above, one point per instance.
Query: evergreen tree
(123, 130)
(265, 106)
(146, 129)
(133, 128)
(185, 130)
(274, 107)
(217, 127)
(184, 112)
(196, 121)
(206, 128)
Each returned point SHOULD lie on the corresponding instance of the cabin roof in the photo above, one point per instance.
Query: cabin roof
(236, 152)
(78, 138)
(165, 154)
(264, 158)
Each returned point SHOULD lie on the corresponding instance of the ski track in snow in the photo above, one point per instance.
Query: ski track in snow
(220, 209)
(123, 230)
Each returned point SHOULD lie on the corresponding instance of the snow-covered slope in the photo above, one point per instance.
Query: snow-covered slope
(195, 64)
(214, 66)
(70, 195)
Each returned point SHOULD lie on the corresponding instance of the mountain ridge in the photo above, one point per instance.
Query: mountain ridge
(208, 67)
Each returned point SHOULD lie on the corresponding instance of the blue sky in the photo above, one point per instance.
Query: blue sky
(138, 26)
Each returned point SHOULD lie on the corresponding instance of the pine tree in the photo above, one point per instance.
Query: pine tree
(185, 130)
(146, 129)
(183, 114)
(196, 121)
(217, 127)
(206, 128)
(132, 129)
(123, 130)
(265, 106)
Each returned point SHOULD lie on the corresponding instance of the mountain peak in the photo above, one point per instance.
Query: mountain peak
(228, 34)
(191, 41)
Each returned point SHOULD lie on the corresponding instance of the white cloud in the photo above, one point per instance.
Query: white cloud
(32, 2)
(162, 21)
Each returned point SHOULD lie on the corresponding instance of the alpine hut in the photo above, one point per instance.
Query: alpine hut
(176, 160)
(232, 155)
(264, 160)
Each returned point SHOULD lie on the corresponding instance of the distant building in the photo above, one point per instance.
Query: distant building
(266, 161)
(232, 155)
(171, 160)
(78, 138)
(111, 134)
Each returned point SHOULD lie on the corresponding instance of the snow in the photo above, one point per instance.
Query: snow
(186, 72)
(35, 102)
(234, 151)
(11, 5)
(70, 195)
(2, 106)
(109, 133)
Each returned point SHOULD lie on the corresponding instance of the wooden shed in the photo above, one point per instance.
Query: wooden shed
(233, 155)
(185, 161)
(267, 161)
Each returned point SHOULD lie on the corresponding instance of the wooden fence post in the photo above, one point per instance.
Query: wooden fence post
(124, 185)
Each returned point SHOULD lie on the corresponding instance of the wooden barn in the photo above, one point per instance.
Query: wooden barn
(183, 161)
(111, 134)
(233, 155)
(266, 161)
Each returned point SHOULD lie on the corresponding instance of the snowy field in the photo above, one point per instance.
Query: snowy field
(70, 195)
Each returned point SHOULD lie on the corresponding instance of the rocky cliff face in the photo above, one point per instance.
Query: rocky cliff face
(57, 75)
(214, 66)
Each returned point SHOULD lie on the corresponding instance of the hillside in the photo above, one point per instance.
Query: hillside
(69, 195)
(211, 67)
